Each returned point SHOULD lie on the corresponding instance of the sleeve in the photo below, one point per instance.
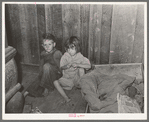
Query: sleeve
(85, 60)
(57, 57)
(63, 60)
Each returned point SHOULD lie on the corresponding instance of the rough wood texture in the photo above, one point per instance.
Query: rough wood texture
(71, 21)
(97, 36)
(91, 32)
(32, 33)
(138, 46)
(95, 33)
(57, 25)
(48, 18)
(24, 34)
(6, 41)
(131, 69)
(106, 33)
(84, 28)
(41, 23)
(122, 34)
(13, 29)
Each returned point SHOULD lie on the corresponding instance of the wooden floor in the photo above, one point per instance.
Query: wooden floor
(54, 103)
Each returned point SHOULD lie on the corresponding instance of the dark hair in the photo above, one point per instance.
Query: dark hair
(49, 37)
(73, 41)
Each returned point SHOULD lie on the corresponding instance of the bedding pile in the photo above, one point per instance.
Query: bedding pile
(100, 90)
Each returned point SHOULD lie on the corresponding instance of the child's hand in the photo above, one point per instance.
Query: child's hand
(75, 65)
(69, 65)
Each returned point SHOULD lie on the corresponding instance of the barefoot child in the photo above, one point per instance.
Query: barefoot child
(50, 64)
(72, 65)
(49, 68)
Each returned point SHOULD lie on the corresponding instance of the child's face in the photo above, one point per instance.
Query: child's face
(48, 45)
(72, 51)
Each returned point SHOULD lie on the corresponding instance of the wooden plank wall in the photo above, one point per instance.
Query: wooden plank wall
(122, 33)
(108, 33)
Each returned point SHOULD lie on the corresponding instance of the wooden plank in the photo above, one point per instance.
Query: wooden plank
(106, 33)
(122, 35)
(30, 68)
(6, 41)
(138, 47)
(84, 28)
(32, 30)
(97, 39)
(24, 33)
(13, 29)
(91, 35)
(75, 20)
(70, 21)
(48, 16)
(41, 23)
(57, 24)
(131, 69)
(95, 33)
(65, 23)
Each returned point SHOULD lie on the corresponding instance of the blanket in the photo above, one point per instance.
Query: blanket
(100, 90)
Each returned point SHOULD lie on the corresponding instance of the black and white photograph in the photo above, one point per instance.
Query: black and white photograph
(74, 60)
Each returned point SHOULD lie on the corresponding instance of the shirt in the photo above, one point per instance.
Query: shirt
(67, 58)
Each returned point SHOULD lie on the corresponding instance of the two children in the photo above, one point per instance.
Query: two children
(63, 72)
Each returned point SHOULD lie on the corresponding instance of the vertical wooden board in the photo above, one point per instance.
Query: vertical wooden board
(122, 35)
(84, 28)
(75, 20)
(6, 41)
(41, 23)
(24, 34)
(65, 23)
(106, 33)
(91, 35)
(138, 47)
(8, 24)
(97, 33)
(13, 29)
(57, 24)
(70, 21)
(48, 17)
(32, 30)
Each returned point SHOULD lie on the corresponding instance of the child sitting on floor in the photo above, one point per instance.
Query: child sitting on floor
(50, 64)
(72, 65)
(49, 68)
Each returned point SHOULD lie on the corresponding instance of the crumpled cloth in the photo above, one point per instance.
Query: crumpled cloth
(100, 90)
(127, 105)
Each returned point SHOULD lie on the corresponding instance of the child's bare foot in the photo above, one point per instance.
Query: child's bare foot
(67, 100)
